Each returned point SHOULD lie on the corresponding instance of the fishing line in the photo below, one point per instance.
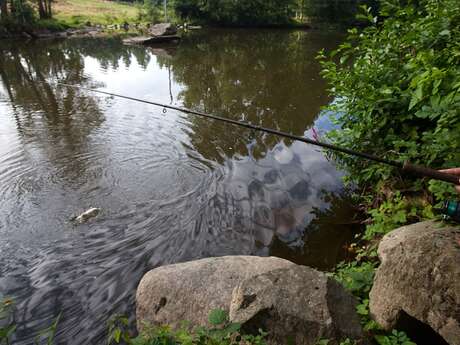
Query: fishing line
(403, 166)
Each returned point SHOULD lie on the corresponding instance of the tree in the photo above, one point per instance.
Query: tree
(3, 9)
(44, 9)
(230, 12)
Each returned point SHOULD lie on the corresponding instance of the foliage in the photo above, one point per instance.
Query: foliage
(269, 12)
(356, 278)
(150, 12)
(394, 212)
(347, 341)
(333, 11)
(230, 12)
(49, 333)
(399, 98)
(22, 12)
(218, 317)
(396, 338)
(221, 332)
(8, 327)
(396, 86)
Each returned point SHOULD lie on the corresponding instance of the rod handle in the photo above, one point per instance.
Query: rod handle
(431, 173)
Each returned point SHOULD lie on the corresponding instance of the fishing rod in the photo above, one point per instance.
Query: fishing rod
(450, 209)
(405, 167)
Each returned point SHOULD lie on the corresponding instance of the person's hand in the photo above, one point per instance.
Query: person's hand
(454, 171)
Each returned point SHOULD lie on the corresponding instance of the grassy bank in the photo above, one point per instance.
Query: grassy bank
(76, 14)
(79, 12)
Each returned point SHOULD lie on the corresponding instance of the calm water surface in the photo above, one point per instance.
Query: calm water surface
(172, 187)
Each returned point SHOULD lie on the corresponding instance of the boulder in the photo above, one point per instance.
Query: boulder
(190, 290)
(270, 293)
(295, 303)
(419, 277)
(163, 29)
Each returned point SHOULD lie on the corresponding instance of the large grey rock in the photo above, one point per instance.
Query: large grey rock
(190, 290)
(269, 293)
(420, 276)
(297, 303)
(163, 29)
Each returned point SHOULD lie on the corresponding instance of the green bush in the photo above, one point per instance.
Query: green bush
(220, 332)
(23, 12)
(152, 12)
(236, 12)
(396, 86)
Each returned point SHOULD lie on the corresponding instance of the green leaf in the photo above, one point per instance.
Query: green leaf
(117, 335)
(344, 59)
(323, 342)
(218, 317)
(233, 328)
(413, 102)
(444, 33)
(382, 340)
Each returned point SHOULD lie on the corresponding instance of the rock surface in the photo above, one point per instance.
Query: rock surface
(189, 291)
(269, 293)
(163, 29)
(419, 276)
(297, 301)
(146, 40)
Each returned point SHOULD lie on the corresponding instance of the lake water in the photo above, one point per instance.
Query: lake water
(172, 187)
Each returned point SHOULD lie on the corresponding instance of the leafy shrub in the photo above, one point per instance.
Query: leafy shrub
(23, 12)
(51, 24)
(396, 338)
(221, 332)
(230, 12)
(397, 89)
(355, 277)
(151, 11)
(400, 95)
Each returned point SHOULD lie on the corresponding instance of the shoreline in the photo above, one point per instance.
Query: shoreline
(61, 30)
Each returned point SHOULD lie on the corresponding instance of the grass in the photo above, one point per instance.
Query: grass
(77, 13)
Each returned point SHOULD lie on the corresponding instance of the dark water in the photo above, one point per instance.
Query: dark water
(172, 187)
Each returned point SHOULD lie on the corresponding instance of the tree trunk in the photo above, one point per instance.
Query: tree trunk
(41, 9)
(12, 7)
(3, 9)
(50, 14)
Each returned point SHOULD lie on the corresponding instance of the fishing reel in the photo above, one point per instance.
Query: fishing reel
(451, 210)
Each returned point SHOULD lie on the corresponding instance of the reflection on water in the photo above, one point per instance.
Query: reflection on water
(172, 187)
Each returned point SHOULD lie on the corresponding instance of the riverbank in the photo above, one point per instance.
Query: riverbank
(402, 114)
(77, 16)
(287, 303)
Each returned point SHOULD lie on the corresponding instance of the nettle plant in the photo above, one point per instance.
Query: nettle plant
(397, 91)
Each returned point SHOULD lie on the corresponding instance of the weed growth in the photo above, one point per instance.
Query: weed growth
(220, 332)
